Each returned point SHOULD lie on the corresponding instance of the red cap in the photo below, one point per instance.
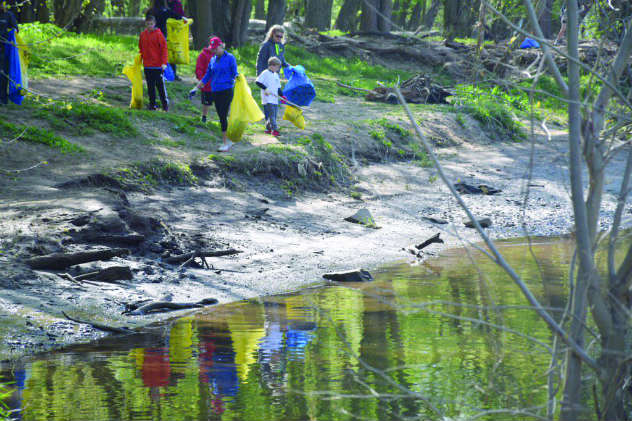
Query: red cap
(214, 43)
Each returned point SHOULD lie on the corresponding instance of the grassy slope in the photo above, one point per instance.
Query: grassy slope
(65, 123)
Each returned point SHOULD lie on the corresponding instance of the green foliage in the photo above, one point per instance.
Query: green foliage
(420, 156)
(83, 118)
(56, 52)
(5, 393)
(494, 108)
(144, 176)
(38, 135)
(334, 33)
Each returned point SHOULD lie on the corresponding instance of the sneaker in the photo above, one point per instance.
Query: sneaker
(226, 147)
(276, 133)
(268, 131)
(165, 108)
(203, 119)
(151, 107)
(268, 128)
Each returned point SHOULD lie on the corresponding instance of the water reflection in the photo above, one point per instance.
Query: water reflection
(418, 342)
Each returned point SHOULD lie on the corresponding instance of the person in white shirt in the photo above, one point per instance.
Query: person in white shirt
(270, 85)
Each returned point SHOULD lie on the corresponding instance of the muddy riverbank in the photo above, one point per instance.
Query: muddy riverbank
(285, 242)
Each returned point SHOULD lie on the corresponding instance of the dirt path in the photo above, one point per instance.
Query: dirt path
(285, 248)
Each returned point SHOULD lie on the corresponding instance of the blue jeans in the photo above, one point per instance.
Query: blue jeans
(270, 111)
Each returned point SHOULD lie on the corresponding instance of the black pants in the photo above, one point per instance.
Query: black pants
(222, 101)
(4, 76)
(154, 80)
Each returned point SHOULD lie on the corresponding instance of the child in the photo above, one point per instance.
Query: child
(270, 84)
(153, 50)
(200, 70)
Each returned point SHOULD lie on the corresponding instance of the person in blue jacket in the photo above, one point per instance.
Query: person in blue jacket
(221, 71)
(272, 46)
(8, 22)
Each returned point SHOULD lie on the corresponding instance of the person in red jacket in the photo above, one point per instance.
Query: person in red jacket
(200, 70)
(153, 50)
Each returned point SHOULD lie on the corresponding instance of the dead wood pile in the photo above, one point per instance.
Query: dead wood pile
(418, 89)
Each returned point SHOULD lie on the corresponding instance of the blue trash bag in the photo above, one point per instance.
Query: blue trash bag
(299, 89)
(168, 73)
(530, 43)
(12, 54)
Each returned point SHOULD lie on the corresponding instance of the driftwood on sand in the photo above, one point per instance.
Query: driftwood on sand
(60, 261)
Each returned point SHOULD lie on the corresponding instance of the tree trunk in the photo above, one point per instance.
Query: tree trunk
(34, 11)
(385, 15)
(415, 16)
(482, 26)
(66, 11)
(276, 13)
(348, 16)
(457, 17)
(260, 9)
(202, 14)
(118, 7)
(431, 14)
(545, 18)
(133, 8)
(368, 20)
(402, 13)
(240, 19)
(42, 14)
(222, 24)
(318, 14)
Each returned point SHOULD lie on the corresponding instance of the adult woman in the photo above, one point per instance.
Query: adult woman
(272, 46)
(221, 72)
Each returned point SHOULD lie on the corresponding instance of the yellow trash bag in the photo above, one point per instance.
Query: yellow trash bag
(294, 115)
(25, 58)
(178, 41)
(243, 110)
(135, 75)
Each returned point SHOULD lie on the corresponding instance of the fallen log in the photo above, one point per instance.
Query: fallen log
(356, 275)
(60, 261)
(99, 326)
(111, 274)
(127, 239)
(161, 306)
(173, 260)
(434, 239)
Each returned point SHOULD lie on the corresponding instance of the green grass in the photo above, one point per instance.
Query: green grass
(82, 118)
(145, 176)
(37, 135)
(55, 52)
(494, 108)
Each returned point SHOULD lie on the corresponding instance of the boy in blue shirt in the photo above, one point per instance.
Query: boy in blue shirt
(221, 71)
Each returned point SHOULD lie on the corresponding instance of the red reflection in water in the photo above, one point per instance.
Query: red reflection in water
(156, 368)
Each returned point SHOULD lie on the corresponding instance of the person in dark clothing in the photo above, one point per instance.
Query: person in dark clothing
(162, 11)
(272, 46)
(8, 22)
(221, 72)
(175, 6)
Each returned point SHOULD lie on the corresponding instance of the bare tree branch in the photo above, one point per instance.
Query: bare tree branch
(498, 257)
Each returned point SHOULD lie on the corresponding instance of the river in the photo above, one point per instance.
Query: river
(450, 337)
